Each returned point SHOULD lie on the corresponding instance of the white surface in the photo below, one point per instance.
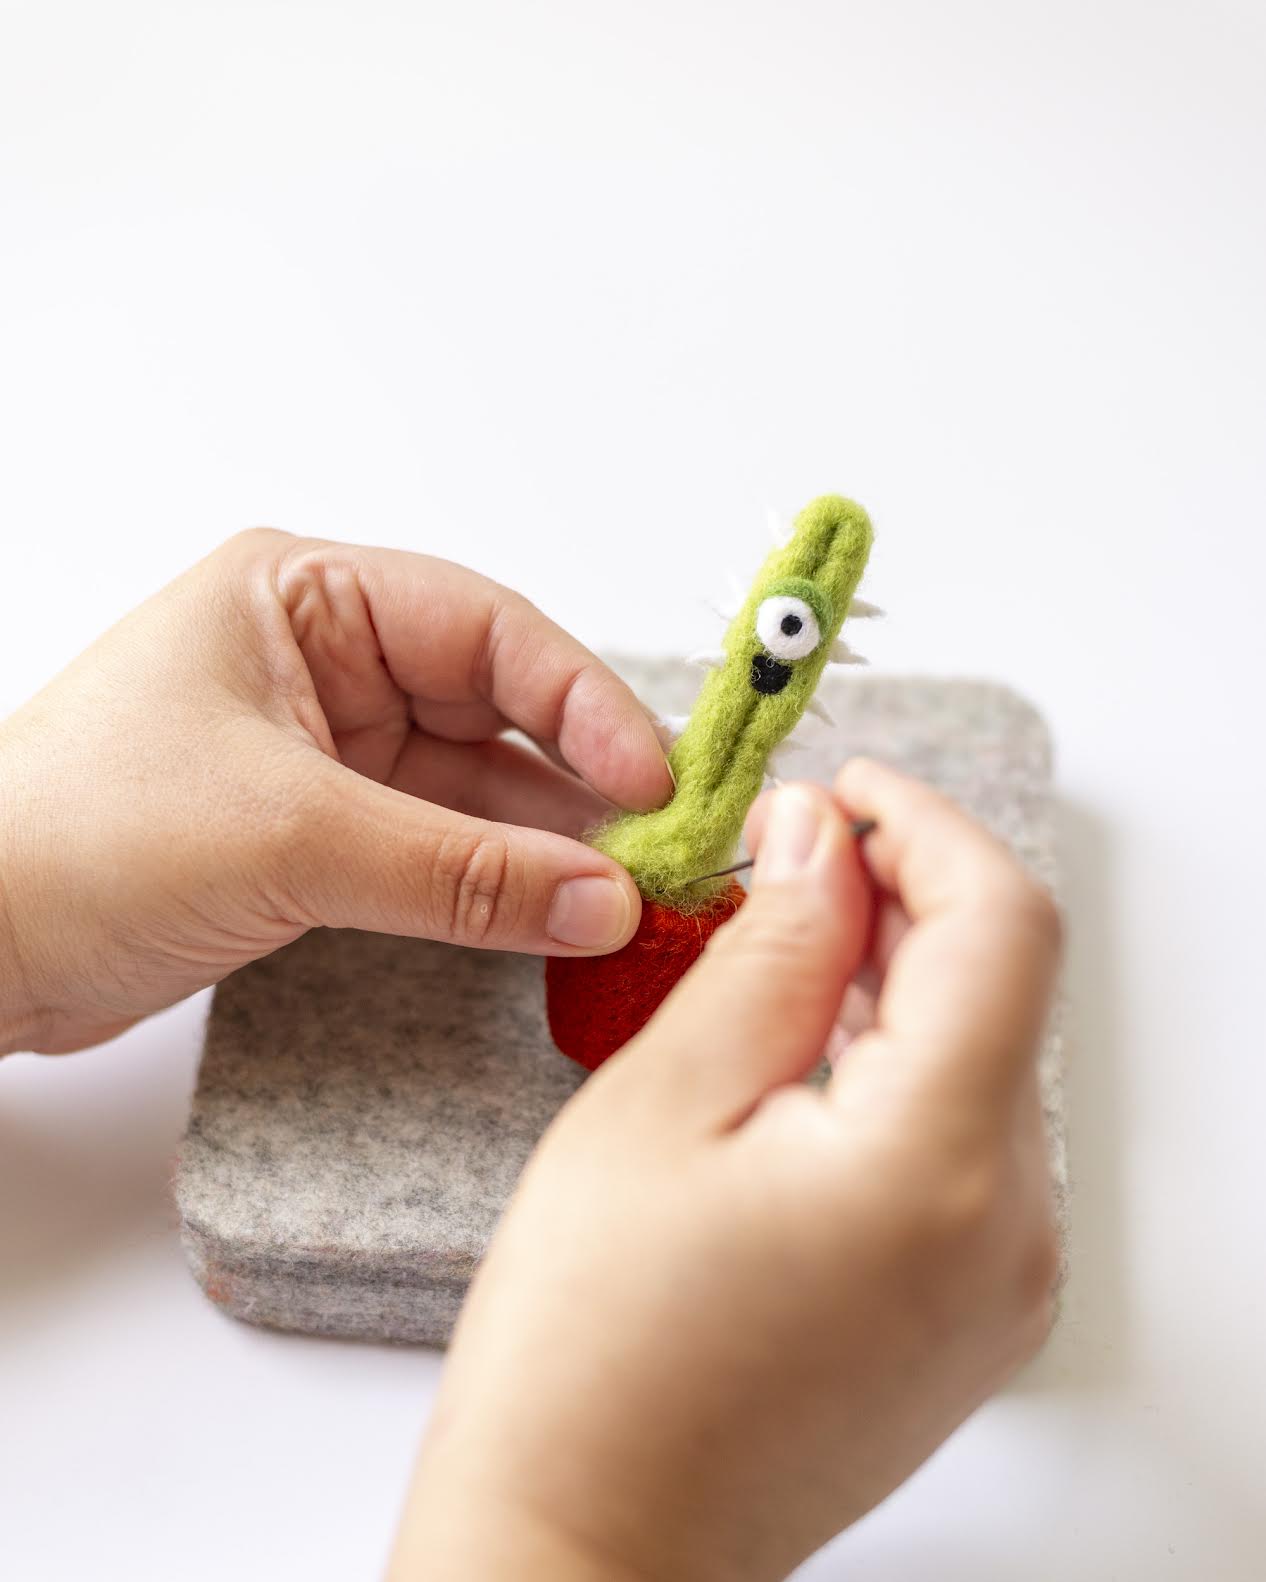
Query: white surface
(535, 286)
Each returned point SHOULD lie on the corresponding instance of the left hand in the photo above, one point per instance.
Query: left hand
(299, 733)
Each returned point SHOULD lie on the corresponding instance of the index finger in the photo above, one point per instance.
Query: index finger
(969, 985)
(451, 637)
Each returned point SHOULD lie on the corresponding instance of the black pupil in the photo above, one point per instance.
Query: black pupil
(790, 625)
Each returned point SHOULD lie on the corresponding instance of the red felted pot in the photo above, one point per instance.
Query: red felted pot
(596, 1004)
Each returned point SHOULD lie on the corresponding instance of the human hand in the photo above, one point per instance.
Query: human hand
(299, 733)
(727, 1313)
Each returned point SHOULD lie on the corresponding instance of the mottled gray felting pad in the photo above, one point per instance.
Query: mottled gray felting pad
(365, 1104)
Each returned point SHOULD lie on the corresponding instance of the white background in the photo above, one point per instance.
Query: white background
(569, 291)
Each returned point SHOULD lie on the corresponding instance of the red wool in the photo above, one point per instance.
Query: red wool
(596, 1004)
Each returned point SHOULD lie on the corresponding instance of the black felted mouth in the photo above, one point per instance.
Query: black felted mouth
(769, 675)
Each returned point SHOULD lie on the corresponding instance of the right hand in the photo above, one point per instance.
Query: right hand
(727, 1313)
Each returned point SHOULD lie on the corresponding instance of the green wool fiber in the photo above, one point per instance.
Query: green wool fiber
(774, 654)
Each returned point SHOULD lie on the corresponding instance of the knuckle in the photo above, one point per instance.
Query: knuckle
(1035, 1323)
(1039, 1269)
(1038, 910)
(1031, 906)
(951, 1211)
(474, 869)
(509, 616)
(987, 1251)
(249, 540)
(968, 1199)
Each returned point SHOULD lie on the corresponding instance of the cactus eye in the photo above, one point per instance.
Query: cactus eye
(787, 627)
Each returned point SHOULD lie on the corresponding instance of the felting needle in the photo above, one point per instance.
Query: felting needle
(859, 826)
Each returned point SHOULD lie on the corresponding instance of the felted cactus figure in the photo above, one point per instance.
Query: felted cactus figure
(760, 683)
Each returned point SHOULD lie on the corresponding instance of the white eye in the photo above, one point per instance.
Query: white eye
(787, 627)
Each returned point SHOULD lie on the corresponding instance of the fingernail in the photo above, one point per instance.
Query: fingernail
(592, 912)
(663, 735)
(795, 819)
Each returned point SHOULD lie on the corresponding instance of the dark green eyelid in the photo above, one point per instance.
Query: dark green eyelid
(801, 588)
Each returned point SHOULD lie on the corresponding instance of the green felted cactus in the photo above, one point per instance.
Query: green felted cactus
(772, 657)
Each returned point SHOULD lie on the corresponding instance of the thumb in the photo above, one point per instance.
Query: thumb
(756, 1010)
(367, 856)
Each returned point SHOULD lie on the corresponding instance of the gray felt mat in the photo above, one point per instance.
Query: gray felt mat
(365, 1104)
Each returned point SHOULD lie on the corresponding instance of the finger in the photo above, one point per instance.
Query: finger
(364, 855)
(551, 751)
(967, 989)
(500, 780)
(756, 1010)
(891, 921)
(924, 848)
(457, 722)
(373, 619)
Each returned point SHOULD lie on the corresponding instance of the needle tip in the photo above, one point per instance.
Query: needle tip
(860, 827)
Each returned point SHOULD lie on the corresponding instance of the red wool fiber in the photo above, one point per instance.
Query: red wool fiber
(596, 1004)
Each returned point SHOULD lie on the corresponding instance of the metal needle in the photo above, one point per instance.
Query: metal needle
(859, 826)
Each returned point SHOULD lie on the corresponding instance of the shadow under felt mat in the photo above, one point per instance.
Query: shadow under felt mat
(365, 1103)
